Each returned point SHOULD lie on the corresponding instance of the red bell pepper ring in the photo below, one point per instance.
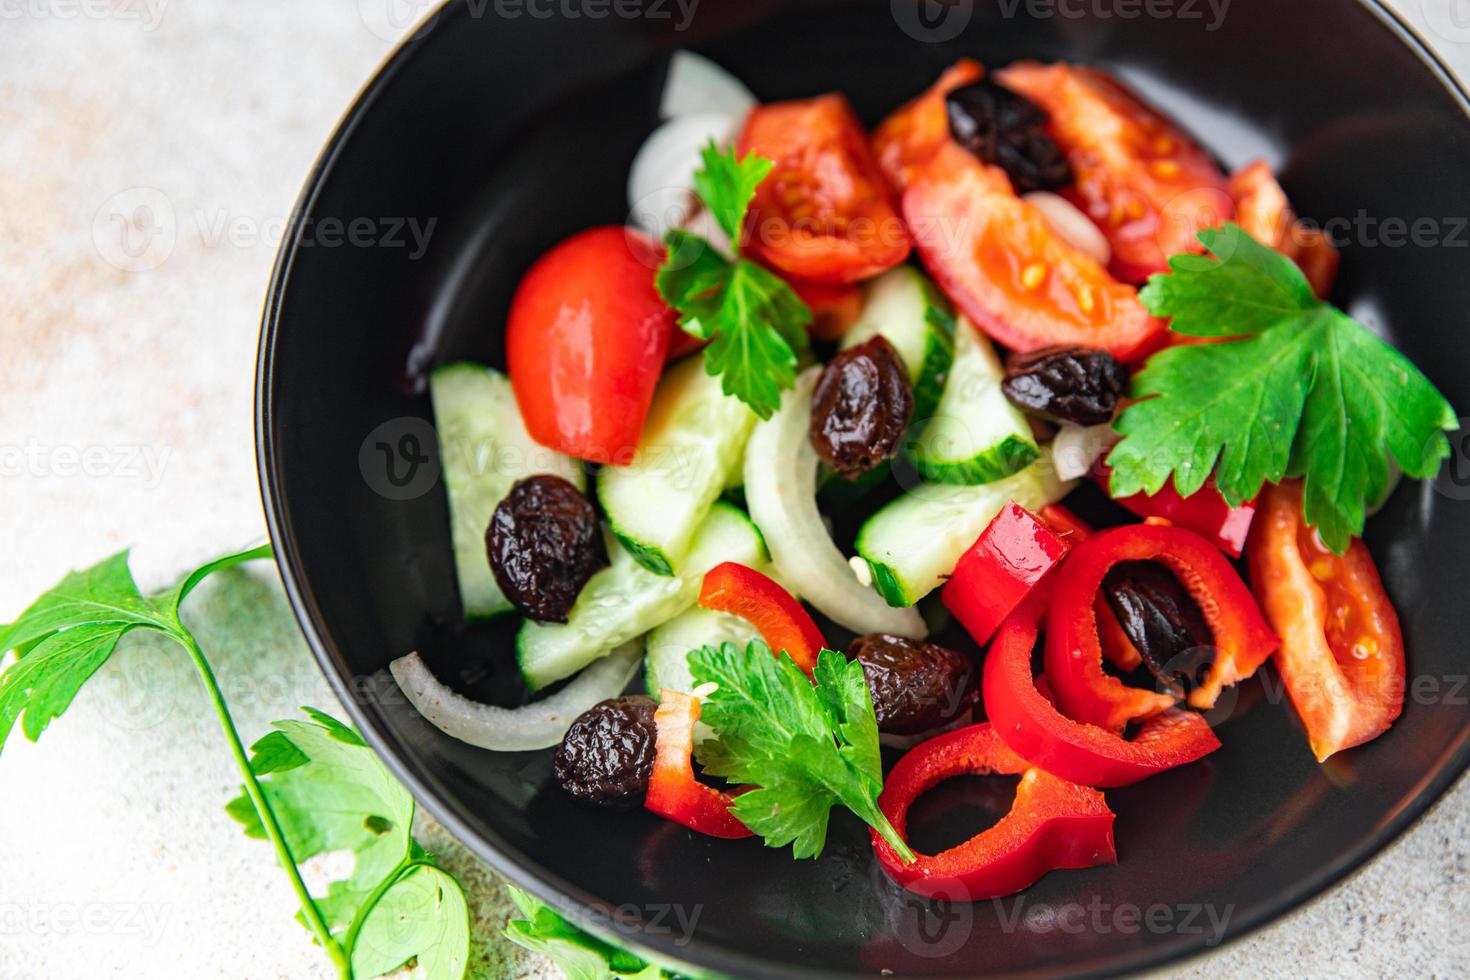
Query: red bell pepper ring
(1032, 726)
(1242, 640)
(1116, 647)
(1052, 824)
(673, 792)
(1204, 512)
(1008, 560)
(761, 601)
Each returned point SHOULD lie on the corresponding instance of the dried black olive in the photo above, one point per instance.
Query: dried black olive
(1163, 621)
(1066, 383)
(915, 686)
(1008, 130)
(861, 406)
(544, 543)
(606, 756)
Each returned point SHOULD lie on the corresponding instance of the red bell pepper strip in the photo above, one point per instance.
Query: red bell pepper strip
(1033, 727)
(1008, 560)
(1116, 647)
(1204, 512)
(1242, 639)
(761, 601)
(1052, 824)
(673, 792)
(1342, 653)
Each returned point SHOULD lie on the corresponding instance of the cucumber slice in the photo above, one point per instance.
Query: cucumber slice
(976, 434)
(903, 306)
(625, 599)
(666, 648)
(691, 441)
(913, 543)
(484, 449)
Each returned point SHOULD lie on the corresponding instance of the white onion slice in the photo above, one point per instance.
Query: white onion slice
(696, 84)
(1071, 224)
(661, 181)
(781, 494)
(1077, 447)
(537, 725)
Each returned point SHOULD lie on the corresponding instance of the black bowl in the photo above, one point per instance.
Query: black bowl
(511, 132)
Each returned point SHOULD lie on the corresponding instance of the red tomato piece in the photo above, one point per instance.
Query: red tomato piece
(834, 307)
(1147, 185)
(1003, 566)
(824, 213)
(1001, 263)
(761, 601)
(906, 140)
(585, 342)
(1262, 210)
(1342, 653)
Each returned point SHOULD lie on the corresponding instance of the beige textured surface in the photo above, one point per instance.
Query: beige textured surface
(126, 418)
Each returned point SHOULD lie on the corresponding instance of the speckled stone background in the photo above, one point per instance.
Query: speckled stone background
(126, 360)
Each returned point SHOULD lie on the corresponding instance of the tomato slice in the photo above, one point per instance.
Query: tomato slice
(1262, 210)
(1342, 653)
(825, 213)
(834, 307)
(1149, 187)
(1001, 263)
(908, 138)
(585, 342)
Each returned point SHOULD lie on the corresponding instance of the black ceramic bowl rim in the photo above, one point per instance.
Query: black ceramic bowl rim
(563, 894)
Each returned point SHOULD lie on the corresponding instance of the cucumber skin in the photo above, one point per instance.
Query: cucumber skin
(647, 555)
(887, 582)
(938, 351)
(1010, 457)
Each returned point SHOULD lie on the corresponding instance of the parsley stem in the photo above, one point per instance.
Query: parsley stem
(393, 877)
(268, 820)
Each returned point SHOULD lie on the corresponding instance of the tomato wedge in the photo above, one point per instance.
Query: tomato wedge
(1342, 653)
(585, 342)
(910, 135)
(824, 213)
(1149, 187)
(1001, 263)
(1262, 210)
(834, 307)
(761, 601)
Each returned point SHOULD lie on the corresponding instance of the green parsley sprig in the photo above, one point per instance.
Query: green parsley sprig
(808, 745)
(309, 787)
(580, 956)
(754, 321)
(1305, 391)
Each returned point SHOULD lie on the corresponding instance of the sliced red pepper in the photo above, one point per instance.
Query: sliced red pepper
(673, 792)
(1342, 653)
(761, 601)
(1033, 727)
(1204, 512)
(1116, 647)
(1052, 824)
(1242, 640)
(998, 571)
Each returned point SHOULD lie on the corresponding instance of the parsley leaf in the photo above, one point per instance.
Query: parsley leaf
(1304, 391)
(807, 744)
(755, 322)
(579, 955)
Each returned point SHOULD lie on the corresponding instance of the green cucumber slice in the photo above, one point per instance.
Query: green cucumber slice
(976, 435)
(914, 542)
(906, 308)
(691, 443)
(667, 646)
(626, 600)
(484, 449)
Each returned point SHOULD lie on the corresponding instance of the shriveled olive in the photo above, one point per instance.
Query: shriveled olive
(544, 543)
(861, 406)
(1066, 383)
(606, 757)
(1009, 131)
(915, 686)
(1163, 621)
